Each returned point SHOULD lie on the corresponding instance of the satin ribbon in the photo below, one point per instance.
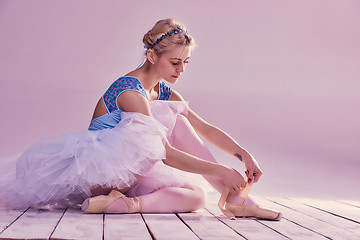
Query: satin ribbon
(243, 195)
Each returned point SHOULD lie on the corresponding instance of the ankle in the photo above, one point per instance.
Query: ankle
(125, 205)
(135, 206)
(239, 201)
(118, 206)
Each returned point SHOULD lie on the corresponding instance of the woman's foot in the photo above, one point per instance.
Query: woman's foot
(245, 207)
(114, 202)
(256, 211)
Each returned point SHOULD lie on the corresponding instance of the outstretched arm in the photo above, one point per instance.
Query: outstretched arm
(131, 101)
(222, 140)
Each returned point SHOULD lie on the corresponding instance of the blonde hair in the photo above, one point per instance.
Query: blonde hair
(162, 27)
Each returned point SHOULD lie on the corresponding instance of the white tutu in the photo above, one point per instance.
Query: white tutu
(161, 175)
(61, 170)
(167, 112)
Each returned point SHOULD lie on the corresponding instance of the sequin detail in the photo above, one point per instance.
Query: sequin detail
(168, 34)
(119, 86)
(164, 91)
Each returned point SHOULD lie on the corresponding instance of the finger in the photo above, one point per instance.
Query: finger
(242, 184)
(250, 174)
(257, 176)
(247, 174)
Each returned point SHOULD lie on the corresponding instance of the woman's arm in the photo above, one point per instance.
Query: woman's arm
(222, 140)
(189, 163)
(131, 101)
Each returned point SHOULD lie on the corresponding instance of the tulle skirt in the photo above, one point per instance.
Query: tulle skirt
(60, 171)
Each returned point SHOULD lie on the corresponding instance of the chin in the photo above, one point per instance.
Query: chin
(171, 80)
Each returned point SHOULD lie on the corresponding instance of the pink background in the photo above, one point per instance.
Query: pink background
(282, 77)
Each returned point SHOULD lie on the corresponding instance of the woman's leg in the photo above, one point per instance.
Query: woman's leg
(174, 199)
(168, 199)
(185, 138)
(165, 200)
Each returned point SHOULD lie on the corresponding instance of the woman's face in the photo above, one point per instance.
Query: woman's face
(171, 64)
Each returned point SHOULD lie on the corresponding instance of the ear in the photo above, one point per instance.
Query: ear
(151, 56)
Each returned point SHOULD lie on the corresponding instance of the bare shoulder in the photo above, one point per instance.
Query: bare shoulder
(132, 101)
(176, 96)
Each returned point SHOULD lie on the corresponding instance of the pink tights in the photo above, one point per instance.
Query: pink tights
(179, 199)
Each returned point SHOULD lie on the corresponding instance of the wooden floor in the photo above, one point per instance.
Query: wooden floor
(303, 218)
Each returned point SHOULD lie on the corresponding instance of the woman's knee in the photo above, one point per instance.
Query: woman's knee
(197, 199)
(184, 135)
(182, 125)
(181, 119)
(200, 198)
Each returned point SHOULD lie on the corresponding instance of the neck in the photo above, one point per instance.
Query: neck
(147, 75)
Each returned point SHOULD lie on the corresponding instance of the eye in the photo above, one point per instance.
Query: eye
(175, 63)
(187, 61)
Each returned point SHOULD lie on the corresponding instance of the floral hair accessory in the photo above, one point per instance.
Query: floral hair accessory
(176, 31)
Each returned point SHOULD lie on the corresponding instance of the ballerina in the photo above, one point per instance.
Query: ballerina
(168, 51)
(142, 136)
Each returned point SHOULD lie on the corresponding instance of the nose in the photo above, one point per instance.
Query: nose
(180, 68)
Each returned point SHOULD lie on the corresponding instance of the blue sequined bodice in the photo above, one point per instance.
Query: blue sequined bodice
(119, 86)
(113, 115)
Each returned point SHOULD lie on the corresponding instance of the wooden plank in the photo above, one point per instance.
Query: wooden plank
(254, 229)
(351, 202)
(8, 217)
(333, 207)
(168, 226)
(206, 226)
(301, 221)
(76, 224)
(36, 224)
(125, 226)
(246, 227)
(294, 224)
(352, 229)
(262, 229)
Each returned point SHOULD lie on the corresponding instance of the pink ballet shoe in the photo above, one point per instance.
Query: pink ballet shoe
(255, 211)
(99, 203)
(233, 210)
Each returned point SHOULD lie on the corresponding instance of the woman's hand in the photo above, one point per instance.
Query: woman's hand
(253, 170)
(232, 179)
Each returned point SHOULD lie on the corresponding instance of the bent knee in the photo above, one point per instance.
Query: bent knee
(183, 134)
(201, 198)
(182, 123)
(198, 198)
(182, 119)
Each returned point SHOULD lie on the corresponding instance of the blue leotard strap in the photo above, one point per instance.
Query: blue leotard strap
(119, 86)
(164, 91)
(113, 116)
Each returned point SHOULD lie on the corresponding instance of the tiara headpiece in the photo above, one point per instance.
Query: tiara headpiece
(168, 34)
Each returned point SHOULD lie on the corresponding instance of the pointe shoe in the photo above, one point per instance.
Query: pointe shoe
(256, 211)
(99, 203)
(233, 210)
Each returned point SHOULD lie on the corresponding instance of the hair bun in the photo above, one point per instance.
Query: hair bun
(157, 39)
